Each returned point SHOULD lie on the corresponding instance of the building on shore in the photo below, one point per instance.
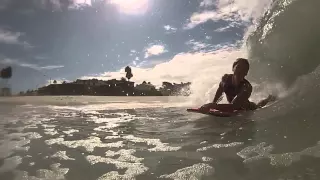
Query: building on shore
(92, 87)
(112, 87)
(110, 83)
(145, 87)
(5, 87)
(5, 91)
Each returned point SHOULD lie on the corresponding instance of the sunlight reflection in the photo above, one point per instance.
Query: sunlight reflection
(131, 6)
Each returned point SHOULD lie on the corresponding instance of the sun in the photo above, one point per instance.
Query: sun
(131, 6)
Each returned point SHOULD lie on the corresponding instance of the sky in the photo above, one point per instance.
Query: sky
(162, 40)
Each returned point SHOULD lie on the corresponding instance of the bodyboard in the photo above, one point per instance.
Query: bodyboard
(215, 112)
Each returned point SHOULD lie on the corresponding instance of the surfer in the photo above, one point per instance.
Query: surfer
(237, 89)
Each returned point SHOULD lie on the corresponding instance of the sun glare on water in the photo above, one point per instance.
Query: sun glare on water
(131, 6)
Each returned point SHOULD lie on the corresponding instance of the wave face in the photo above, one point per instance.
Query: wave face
(284, 48)
(285, 44)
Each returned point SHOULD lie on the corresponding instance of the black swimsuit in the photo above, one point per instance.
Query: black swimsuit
(229, 89)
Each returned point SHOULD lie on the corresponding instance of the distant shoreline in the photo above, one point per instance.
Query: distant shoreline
(113, 87)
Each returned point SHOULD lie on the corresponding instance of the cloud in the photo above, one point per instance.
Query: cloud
(50, 67)
(202, 17)
(240, 11)
(133, 52)
(170, 29)
(58, 5)
(225, 28)
(41, 57)
(196, 46)
(207, 3)
(9, 37)
(203, 69)
(13, 38)
(8, 61)
(149, 63)
(154, 50)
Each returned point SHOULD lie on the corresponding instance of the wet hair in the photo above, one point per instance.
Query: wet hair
(243, 60)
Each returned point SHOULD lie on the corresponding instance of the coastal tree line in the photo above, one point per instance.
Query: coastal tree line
(6, 73)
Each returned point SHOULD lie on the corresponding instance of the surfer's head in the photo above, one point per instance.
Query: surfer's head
(240, 68)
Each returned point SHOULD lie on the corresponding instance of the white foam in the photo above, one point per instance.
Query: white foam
(89, 144)
(105, 128)
(207, 159)
(62, 155)
(32, 163)
(159, 146)
(193, 172)
(99, 120)
(7, 148)
(10, 164)
(70, 132)
(48, 126)
(50, 131)
(233, 144)
(28, 135)
(112, 137)
(203, 142)
(56, 173)
(133, 169)
(34, 135)
(110, 123)
(115, 144)
(261, 151)
(125, 155)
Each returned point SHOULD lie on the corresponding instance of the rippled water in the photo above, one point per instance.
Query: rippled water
(43, 139)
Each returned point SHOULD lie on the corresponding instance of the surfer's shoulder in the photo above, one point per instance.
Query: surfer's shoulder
(225, 77)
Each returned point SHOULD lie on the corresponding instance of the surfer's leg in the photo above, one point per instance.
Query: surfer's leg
(264, 102)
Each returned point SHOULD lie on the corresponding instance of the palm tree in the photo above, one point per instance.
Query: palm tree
(6, 73)
(128, 71)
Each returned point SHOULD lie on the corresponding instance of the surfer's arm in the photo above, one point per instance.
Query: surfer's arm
(239, 102)
(219, 93)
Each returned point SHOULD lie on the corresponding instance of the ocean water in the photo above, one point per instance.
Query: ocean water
(101, 138)
(152, 138)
